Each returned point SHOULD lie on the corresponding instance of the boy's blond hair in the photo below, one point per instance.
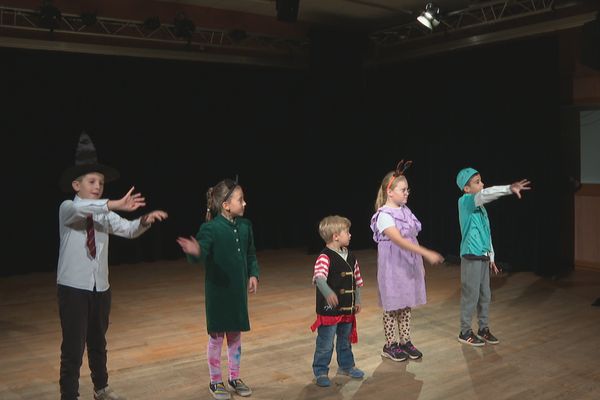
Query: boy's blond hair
(331, 225)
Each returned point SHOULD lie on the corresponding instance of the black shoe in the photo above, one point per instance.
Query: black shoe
(470, 339)
(394, 352)
(485, 334)
(411, 350)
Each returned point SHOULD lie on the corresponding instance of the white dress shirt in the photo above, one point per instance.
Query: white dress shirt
(488, 195)
(76, 267)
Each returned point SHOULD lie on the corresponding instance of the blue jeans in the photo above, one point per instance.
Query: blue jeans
(324, 348)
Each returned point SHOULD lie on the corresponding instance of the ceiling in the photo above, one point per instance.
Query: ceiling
(345, 14)
(249, 32)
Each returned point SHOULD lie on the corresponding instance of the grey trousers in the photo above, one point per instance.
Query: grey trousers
(475, 293)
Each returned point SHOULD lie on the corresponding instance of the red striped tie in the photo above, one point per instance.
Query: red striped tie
(91, 236)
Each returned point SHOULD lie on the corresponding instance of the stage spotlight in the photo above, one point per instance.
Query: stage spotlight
(430, 17)
(184, 27)
(88, 18)
(49, 15)
(151, 23)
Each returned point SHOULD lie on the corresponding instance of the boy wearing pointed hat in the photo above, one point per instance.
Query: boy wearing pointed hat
(84, 295)
(477, 252)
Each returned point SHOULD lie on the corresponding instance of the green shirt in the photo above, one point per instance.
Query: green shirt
(474, 227)
(229, 256)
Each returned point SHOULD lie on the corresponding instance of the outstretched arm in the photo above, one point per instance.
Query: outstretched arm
(518, 186)
(130, 202)
(151, 217)
(189, 246)
(395, 236)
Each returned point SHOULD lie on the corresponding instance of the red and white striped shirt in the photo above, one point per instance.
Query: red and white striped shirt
(321, 269)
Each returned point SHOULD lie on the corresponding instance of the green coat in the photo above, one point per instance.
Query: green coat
(228, 253)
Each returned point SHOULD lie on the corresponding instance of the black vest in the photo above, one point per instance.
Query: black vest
(341, 280)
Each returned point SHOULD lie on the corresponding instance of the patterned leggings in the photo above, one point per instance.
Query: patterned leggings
(396, 326)
(234, 353)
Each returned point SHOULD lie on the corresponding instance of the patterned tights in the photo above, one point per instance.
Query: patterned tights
(396, 326)
(234, 353)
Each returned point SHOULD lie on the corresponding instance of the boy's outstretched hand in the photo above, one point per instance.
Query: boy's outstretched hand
(189, 246)
(518, 186)
(130, 202)
(150, 218)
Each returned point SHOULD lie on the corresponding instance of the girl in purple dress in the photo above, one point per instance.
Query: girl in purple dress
(400, 272)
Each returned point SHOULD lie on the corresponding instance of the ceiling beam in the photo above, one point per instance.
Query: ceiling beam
(482, 23)
(111, 36)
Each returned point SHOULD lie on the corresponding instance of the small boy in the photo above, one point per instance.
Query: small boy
(84, 296)
(477, 252)
(337, 277)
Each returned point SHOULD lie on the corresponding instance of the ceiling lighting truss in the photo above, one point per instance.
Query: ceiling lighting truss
(476, 15)
(113, 31)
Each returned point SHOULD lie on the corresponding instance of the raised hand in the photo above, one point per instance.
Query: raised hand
(189, 245)
(520, 185)
(150, 218)
(130, 202)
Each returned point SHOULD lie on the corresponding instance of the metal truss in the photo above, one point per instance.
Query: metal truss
(476, 15)
(163, 36)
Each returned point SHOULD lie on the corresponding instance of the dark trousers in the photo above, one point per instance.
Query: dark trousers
(84, 321)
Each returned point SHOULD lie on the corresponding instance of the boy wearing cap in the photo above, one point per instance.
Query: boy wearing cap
(477, 252)
(84, 296)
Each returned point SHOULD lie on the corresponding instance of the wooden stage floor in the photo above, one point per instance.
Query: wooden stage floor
(549, 333)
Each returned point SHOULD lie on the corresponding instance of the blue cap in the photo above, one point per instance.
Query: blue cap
(463, 177)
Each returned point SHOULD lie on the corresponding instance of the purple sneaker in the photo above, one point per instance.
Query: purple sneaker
(394, 352)
(411, 350)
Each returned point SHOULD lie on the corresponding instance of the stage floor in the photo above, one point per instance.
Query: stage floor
(549, 333)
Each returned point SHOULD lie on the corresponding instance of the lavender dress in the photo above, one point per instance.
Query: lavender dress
(400, 273)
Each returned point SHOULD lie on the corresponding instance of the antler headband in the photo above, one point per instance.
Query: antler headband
(400, 168)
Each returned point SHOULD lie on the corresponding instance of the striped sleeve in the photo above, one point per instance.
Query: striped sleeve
(321, 267)
(357, 277)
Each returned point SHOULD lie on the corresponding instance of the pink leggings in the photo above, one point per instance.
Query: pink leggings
(234, 353)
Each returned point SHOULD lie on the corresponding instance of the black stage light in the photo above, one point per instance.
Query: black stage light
(49, 15)
(184, 27)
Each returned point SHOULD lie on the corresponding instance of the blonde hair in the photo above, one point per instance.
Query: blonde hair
(389, 182)
(331, 225)
(217, 195)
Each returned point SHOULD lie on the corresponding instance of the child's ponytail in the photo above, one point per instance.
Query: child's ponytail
(209, 204)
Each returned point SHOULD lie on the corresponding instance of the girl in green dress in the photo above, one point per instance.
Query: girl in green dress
(225, 245)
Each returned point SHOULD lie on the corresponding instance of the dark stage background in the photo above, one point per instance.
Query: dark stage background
(304, 143)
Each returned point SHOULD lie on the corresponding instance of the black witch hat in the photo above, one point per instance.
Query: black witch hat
(86, 161)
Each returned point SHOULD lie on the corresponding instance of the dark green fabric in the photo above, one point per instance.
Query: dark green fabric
(229, 256)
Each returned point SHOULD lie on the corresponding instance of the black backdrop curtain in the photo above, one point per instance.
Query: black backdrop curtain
(304, 143)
